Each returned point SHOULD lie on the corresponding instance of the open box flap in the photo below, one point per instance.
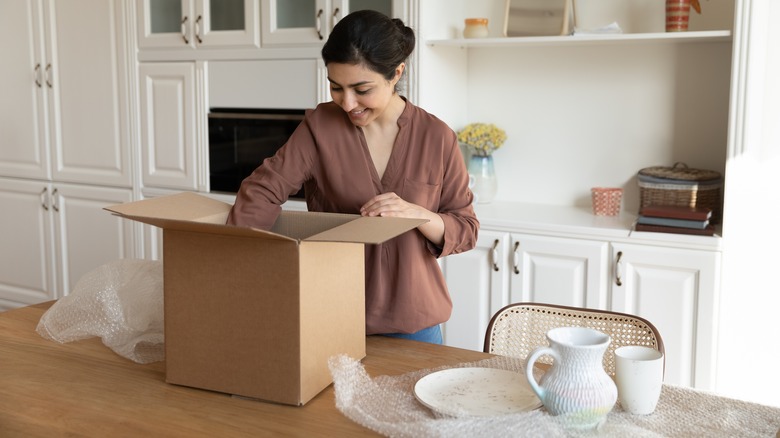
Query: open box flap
(188, 212)
(371, 230)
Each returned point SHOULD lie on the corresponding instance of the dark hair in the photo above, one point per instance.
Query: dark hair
(370, 38)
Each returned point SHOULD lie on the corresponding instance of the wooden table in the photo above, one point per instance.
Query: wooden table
(85, 389)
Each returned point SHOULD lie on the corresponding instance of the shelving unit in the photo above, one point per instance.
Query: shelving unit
(588, 39)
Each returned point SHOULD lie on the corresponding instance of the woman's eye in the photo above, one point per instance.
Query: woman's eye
(362, 92)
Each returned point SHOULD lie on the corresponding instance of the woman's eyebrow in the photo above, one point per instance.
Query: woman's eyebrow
(356, 84)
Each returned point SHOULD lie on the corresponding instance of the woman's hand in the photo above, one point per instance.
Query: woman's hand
(391, 205)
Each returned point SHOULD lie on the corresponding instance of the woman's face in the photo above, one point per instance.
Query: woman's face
(363, 93)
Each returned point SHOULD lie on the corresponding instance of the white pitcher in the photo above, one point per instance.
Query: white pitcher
(576, 385)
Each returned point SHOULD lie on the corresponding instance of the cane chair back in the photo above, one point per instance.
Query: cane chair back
(517, 329)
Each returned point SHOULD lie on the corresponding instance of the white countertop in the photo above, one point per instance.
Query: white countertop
(563, 221)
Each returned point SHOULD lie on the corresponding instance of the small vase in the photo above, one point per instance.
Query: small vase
(483, 174)
(677, 15)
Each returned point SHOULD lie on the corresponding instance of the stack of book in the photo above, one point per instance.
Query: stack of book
(679, 220)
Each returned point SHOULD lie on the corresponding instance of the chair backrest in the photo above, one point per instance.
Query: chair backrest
(517, 329)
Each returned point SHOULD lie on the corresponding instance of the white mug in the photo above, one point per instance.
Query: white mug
(639, 373)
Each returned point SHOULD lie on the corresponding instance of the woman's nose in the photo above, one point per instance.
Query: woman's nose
(348, 102)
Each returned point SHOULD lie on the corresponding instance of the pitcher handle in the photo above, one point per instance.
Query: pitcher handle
(529, 369)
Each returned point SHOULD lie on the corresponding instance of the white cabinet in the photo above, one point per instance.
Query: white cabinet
(53, 234)
(554, 270)
(507, 268)
(169, 125)
(192, 24)
(677, 290)
(673, 287)
(310, 22)
(477, 283)
(64, 107)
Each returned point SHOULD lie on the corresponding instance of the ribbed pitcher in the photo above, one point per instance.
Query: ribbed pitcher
(576, 385)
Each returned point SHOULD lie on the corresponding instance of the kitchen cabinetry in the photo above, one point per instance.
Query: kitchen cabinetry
(508, 267)
(170, 126)
(677, 290)
(64, 88)
(292, 23)
(192, 24)
(53, 234)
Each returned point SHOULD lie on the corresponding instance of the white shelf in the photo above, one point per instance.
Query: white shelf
(712, 36)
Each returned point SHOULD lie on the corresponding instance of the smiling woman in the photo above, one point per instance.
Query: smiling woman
(371, 152)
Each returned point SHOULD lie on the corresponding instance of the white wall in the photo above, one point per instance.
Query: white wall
(749, 350)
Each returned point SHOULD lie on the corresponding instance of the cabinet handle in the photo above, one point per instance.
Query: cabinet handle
(55, 200)
(618, 280)
(197, 29)
(319, 23)
(45, 198)
(335, 16)
(184, 30)
(516, 258)
(48, 76)
(494, 255)
(38, 75)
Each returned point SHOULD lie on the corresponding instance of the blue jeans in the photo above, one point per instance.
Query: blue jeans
(432, 335)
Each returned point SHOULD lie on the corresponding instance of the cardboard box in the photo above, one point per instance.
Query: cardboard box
(257, 313)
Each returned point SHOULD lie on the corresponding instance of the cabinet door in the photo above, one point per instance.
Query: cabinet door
(87, 236)
(189, 24)
(85, 78)
(168, 125)
(568, 272)
(24, 152)
(27, 273)
(676, 290)
(477, 282)
(309, 22)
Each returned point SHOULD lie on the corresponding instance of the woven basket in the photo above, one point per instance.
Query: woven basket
(682, 186)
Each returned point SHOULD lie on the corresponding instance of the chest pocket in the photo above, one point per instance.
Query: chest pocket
(423, 194)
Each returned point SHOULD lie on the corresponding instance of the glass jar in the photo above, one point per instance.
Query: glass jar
(475, 28)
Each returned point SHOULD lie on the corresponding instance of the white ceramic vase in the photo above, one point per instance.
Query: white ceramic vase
(576, 385)
(483, 174)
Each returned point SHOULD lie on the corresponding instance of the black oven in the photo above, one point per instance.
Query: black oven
(240, 139)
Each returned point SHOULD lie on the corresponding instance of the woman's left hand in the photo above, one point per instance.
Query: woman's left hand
(391, 205)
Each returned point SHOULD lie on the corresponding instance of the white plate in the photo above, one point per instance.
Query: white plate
(476, 392)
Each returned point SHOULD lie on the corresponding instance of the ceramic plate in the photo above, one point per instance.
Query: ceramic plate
(476, 392)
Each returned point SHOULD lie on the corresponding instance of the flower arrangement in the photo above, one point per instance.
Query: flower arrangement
(482, 138)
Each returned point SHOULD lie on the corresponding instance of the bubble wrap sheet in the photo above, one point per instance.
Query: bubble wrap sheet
(386, 404)
(121, 302)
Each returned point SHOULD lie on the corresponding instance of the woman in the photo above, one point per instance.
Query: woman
(373, 153)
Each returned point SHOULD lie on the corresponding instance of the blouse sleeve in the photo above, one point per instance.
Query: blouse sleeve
(461, 226)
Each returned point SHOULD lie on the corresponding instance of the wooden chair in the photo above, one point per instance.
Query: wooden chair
(517, 329)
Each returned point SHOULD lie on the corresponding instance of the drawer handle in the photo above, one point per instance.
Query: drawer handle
(45, 198)
(184, 30)
(38, 75)
(197, 29)
(336, 16)
(494, 255)
(55, 200)
(618, 280)
(516, 258)
(48, 76)
(319, 23)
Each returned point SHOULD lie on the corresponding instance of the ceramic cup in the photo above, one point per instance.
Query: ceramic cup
(639, 373)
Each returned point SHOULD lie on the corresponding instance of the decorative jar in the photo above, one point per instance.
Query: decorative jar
(475, 28)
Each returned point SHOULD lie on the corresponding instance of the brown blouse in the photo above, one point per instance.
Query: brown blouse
(328, 156)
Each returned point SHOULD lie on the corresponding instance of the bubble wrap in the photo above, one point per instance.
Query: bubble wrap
(386, 404)
(121, 302)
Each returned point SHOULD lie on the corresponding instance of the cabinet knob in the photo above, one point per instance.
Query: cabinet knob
(618, 279)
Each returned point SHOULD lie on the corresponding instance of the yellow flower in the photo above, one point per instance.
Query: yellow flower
(482, 138)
